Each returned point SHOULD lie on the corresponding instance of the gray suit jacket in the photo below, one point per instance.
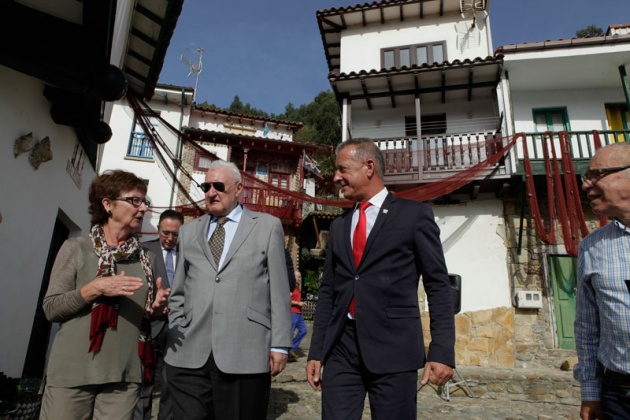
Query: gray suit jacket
(238, 313)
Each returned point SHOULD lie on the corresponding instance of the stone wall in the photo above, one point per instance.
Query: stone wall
(483, 338)
(534, 329)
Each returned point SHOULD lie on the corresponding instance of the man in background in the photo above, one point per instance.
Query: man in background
(297, 320)
(602, 323)
(165, 250)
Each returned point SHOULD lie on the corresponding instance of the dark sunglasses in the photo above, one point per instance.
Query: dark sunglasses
(594, 175)
(218, 186)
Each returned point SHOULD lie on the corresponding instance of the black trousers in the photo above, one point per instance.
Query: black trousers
(615, 395)
(208, 394)
(346, 381)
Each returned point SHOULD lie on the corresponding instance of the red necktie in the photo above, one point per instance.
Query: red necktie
(358, 242)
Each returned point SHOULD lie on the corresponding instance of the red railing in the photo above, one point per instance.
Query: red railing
(275, 203)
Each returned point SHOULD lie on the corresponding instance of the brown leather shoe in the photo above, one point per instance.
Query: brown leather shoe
(292, 357)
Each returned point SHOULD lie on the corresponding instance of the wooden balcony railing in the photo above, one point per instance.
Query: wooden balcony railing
(272, 202)
(435, 157)
(582, 144)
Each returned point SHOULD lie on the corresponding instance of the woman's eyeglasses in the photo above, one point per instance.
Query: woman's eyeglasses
(218, 186)
(134, 201)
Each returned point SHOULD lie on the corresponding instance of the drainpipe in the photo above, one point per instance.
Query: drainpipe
(178, 146)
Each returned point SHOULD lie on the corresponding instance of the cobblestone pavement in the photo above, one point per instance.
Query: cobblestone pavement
(296, 400)
(292, 398)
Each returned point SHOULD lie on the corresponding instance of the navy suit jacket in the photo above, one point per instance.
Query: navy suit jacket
(403, 245)
(159, 270)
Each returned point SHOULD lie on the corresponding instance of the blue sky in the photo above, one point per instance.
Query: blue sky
(270, 53)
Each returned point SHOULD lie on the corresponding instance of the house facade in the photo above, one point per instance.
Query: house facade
(133, 150)
(571, 93)
(57, 95)
(453, 118)
(272, 164)
(169, 141)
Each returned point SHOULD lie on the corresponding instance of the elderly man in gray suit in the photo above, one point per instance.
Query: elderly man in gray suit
(230, 320)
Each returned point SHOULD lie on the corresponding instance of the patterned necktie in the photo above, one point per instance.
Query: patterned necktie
(217, 239)
(170, 269)
(358, 242)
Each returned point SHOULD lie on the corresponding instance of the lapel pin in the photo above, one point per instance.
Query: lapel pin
(385, 211)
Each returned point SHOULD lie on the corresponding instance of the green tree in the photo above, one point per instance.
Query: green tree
(238, 107)
(321, 119)
(589, 31)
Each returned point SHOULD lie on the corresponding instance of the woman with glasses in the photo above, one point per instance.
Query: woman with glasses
(103, 293)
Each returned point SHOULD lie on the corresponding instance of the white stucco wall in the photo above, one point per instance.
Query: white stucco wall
(361, 47)
(160, 187)
(29, 202)
(585, 107)
(461, 117)
(472, 239)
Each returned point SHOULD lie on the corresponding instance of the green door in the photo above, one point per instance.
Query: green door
(564, 282)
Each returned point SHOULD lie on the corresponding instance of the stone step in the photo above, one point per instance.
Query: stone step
(535, 385)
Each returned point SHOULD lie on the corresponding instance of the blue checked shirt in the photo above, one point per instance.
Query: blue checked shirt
(602, 323)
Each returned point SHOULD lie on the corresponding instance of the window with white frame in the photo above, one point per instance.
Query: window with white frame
(409, 55)
(139, 144)
(202, 162)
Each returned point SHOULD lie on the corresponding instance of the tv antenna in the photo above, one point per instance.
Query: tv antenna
(194, 68)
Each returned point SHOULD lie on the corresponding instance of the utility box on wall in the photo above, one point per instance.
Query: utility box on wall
(528, 299)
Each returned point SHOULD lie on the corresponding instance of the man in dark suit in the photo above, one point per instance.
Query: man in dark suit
(165, 250)
(367, 331)
(230, 319)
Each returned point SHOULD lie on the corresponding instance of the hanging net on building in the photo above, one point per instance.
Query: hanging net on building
(564, 197)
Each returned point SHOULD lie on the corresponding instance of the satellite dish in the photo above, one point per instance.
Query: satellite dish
(195, 69)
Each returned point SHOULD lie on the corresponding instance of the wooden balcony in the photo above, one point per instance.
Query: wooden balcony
(436, 157)
(283, 206)
(582, 144)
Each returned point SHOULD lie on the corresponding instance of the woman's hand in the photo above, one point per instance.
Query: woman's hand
(159, 307)
(120, 285)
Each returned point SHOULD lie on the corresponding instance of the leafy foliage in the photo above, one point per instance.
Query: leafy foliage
(238, 107)
(312, 280)
(589, 31)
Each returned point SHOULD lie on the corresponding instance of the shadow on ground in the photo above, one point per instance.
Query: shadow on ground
(279, 402)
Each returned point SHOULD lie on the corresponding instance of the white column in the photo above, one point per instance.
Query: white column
(346, 118)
